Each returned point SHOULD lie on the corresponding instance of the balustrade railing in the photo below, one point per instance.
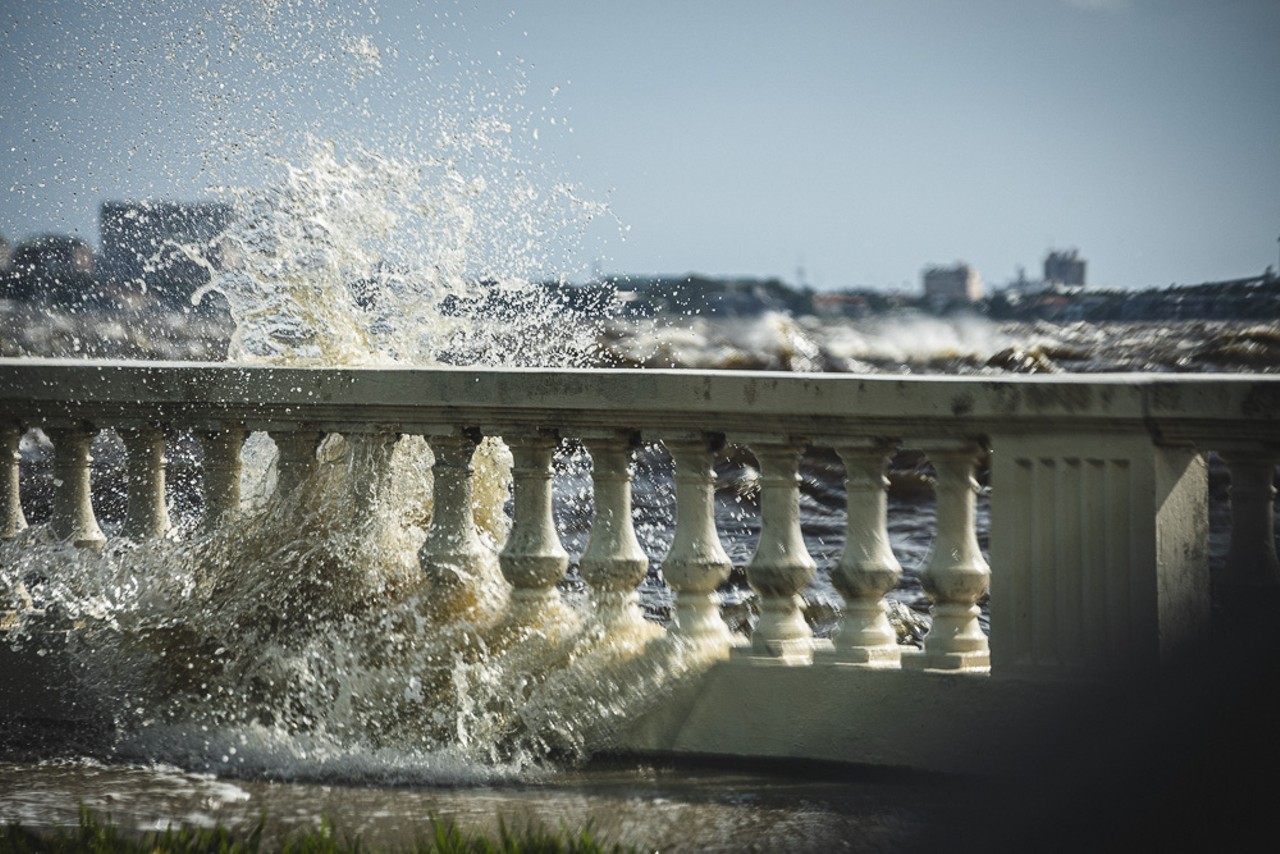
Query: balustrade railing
(1098, 514)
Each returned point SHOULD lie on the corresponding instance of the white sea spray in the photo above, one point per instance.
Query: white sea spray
(303, 639)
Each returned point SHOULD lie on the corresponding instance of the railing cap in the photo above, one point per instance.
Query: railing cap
(1170, 407)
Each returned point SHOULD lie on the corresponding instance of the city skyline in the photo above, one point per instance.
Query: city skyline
(859, 143)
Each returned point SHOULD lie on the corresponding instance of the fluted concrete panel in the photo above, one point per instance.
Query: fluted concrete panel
(1105, 564)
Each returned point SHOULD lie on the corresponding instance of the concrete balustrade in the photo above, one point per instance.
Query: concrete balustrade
(1252, 565)
(1098, 516)
(147, 516)
(533, 559)
(369, 469)
(452, 553)
(296, 459)
(954, 575)
(868, 569)
(12, 519)
(72, 517)
(696, 564)
(222, 468)
(781, 567)
(613, 564)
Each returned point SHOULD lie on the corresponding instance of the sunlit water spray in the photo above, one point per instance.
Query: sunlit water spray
(306, 639)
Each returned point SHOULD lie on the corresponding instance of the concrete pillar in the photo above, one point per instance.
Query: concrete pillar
(12, 520)
(613, 564)
(781, 566)
(369, 467)
(147, 514)
(1099, 544)
(221, 470)
(867, 569)
(696, 564)
(1252, 567)
(954, 575)
(452, 553)
(72, 512)
(297, 458)
(533, 559)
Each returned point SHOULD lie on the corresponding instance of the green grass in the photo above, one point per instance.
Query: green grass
(94, 835)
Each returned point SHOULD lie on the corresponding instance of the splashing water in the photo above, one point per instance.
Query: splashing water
(288, 644)
(371, 259)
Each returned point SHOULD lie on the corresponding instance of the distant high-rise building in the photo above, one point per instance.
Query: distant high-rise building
(165, 246)
(6, 253)
(1065, 268)
(957, 283)
(51, 267)
(54, 255)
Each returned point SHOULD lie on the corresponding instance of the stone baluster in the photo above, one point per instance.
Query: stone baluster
(613, 563)
(452, 554)
(12, 520)
(221, 470)
(369, 466)
(1252, 566)
(72, 516)
(297, 458)
(696, 563)
(781, 566)
(147, 514)
(867, 569)
(533, 559)
(954, 575)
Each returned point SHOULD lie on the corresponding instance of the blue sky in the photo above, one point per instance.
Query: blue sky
(860, 140)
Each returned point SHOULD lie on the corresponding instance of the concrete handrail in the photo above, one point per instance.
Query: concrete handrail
(1204, 408)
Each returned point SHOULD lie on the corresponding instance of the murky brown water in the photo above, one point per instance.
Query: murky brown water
(650, 806)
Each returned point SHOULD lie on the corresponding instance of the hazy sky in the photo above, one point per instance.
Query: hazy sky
(861, 140)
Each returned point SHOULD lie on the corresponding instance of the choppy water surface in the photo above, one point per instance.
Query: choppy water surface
(910, 342)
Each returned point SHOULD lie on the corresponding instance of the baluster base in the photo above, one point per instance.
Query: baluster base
(955, 644)
(541, 610)
(698, 621)
(454, 579)
(782, 637)
(947, 662)
(871, 657)
(617, 608)
(866, 639)
(781, 653)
